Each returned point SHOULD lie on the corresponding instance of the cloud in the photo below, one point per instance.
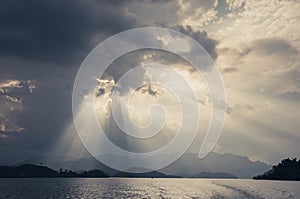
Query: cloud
(11, 106)
(154, 12)
(262, 43)
(147, 89)
(279, 19)
(240, 109)
(132, 59)
(208, 44)
(256, 44)
(46, 41)
(15, 89)
(197, 13)
(58, 31)
(273, 46)
(230, 70)
(8, 123)
(104, 86)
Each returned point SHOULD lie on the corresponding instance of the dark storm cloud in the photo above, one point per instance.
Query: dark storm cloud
(126, 62)
(42, 116)
(57, 30)
(135, 58)
(208, 43)
(45, 42)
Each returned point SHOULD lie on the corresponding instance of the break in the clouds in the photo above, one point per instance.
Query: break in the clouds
(255, 44)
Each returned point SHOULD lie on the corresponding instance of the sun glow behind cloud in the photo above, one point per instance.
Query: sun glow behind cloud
(141, 109)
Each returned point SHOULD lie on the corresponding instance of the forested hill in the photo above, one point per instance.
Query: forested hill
(287, 169)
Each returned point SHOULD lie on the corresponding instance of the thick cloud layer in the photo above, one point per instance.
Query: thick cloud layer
(42, 44)
(58, 31)
(45, 42)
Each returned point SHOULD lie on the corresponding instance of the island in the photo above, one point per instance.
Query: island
(287, 169)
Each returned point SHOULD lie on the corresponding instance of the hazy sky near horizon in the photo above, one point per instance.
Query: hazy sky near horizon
(255, 45)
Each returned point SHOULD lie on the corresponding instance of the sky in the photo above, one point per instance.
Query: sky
(255, 45)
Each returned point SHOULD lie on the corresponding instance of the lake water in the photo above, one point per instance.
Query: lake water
(146, 188)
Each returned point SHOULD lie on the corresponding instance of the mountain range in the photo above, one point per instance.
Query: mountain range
(188, 165)
(242, 167)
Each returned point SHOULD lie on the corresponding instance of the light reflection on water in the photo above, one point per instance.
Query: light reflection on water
(146, 188)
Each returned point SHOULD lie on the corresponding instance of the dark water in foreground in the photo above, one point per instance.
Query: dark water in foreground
(146, 188)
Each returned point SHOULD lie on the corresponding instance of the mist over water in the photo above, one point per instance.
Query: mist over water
(147, 188)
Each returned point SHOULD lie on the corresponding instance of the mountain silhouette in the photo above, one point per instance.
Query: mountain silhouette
(143, 173)
(186, 166)
(240, 166)
(213, 175)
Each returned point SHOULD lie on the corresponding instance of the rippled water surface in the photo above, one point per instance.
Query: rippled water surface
(146, 188)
